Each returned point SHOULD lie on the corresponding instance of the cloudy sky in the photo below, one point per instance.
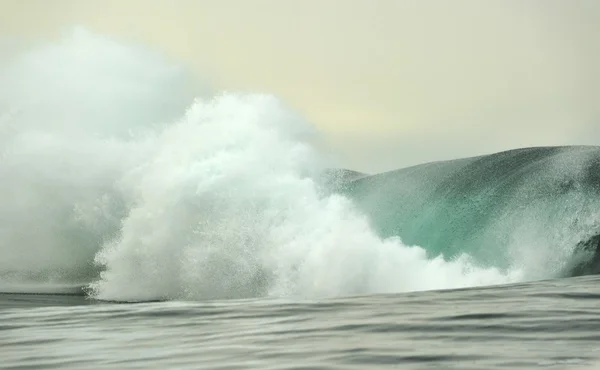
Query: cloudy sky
(390, 83)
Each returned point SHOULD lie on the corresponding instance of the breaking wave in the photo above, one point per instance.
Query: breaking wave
(121, 175)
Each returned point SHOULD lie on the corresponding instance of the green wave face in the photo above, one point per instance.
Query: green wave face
(527, 207)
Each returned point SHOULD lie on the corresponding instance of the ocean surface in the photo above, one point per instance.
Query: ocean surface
(551, 324)
(147, 221)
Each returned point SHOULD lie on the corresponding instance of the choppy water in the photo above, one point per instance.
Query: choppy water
(549, 324)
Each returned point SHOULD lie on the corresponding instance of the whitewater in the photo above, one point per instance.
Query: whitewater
(123, 176)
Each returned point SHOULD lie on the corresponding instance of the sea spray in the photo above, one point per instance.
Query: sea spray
(77, 114)
(229, 207)
(118, 173)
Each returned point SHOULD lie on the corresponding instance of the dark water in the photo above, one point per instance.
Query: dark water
(548, 324)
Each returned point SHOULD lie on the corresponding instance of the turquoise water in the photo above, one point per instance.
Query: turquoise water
(503, 210)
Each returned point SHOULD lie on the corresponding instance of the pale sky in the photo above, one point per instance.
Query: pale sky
(390, 83)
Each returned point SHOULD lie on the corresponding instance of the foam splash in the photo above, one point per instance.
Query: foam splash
(116, 175)
(227, 207)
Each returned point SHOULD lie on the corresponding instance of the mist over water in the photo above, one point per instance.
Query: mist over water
(118, 172)
(71, 127)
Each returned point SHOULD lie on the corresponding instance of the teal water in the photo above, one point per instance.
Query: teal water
(500, 209)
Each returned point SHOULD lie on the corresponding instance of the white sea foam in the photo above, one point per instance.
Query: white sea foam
(112, 161)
